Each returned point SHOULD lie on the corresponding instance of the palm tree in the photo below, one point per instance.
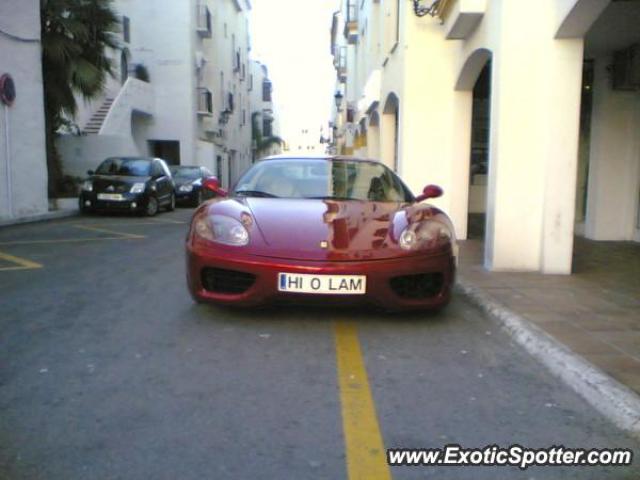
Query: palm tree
(262, 143)
(76, 35)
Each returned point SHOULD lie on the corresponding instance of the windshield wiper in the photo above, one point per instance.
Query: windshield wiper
(329, 197)
(255, 193)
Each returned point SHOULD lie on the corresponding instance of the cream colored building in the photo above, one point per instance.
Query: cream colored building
(528, 111)
(196, 107)
(23, 160)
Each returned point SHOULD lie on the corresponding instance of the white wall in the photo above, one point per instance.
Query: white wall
(22, 127)
(82, 153)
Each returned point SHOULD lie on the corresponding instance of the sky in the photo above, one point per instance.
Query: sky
(293, 38)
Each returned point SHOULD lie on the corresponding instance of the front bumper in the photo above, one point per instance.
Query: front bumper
(264, 290)
(186, 197)
(132, 202)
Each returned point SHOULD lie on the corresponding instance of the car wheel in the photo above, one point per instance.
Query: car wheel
(172, 203)
(152, 207)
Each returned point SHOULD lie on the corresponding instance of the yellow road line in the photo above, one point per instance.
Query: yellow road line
(366, 457)
(111, 232)
(23, 263)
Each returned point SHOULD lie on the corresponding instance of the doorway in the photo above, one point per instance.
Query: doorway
(479, 158)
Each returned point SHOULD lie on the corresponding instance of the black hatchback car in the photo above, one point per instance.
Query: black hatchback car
(188, 181)
(133, 184)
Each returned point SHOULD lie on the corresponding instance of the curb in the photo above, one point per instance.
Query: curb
(53, 215)
(615, 401)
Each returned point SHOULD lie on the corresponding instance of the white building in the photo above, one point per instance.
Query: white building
(265, 124)
(529, 111)
(195, 109)
(23, 164)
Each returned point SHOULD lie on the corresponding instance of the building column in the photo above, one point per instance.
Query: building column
(535, 111)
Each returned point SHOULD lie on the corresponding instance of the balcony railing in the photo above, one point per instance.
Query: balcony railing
(205, 101)
(351, 25)
(204, 21)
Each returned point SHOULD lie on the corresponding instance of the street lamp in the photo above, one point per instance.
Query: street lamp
(421, 10)
(339, 96)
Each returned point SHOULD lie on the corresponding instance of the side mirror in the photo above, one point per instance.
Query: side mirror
(430, 191)
(90, 172)
(212, 184)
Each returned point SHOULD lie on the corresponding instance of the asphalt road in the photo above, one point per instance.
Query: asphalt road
(108, 370)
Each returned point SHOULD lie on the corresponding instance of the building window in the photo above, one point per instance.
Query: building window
(267, 128)
(126, 29)
(351, 113)
(266, 91)
(205, 101)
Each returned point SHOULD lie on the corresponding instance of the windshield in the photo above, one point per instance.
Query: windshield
(131, 167)
(323, 179)
(186, 172)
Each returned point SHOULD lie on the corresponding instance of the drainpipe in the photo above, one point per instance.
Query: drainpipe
(7, 146)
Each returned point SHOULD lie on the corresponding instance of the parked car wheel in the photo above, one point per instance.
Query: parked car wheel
(152, 207)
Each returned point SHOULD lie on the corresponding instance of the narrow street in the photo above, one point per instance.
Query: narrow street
(109, 370)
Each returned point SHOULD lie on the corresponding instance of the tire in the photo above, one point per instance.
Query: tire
(172, 203)
(152, 207)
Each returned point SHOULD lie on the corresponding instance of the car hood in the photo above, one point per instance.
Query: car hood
(319, 230)
(119, 183)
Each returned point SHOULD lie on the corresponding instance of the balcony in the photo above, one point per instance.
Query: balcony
(461, 17)
(205, 102)
(204, 24)
(351, 25)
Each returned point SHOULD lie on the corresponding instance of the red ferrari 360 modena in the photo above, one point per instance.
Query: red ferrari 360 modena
(334, 230)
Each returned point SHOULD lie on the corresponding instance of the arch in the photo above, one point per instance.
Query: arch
(374, 119)
(392, 104)
(471, 69)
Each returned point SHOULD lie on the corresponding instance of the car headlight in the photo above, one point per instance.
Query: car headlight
(186, 188)
(222, 229)
(138, 188)
(426, 234)
(87, 186)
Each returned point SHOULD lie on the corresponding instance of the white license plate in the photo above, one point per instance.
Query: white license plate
(114, 197)
(322, 284)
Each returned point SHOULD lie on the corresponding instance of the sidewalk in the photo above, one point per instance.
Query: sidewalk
(595, 312)
(52, 215)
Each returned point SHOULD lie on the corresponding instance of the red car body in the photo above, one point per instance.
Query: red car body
(320, 237)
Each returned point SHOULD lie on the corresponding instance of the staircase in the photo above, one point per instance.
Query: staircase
(94, 124)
